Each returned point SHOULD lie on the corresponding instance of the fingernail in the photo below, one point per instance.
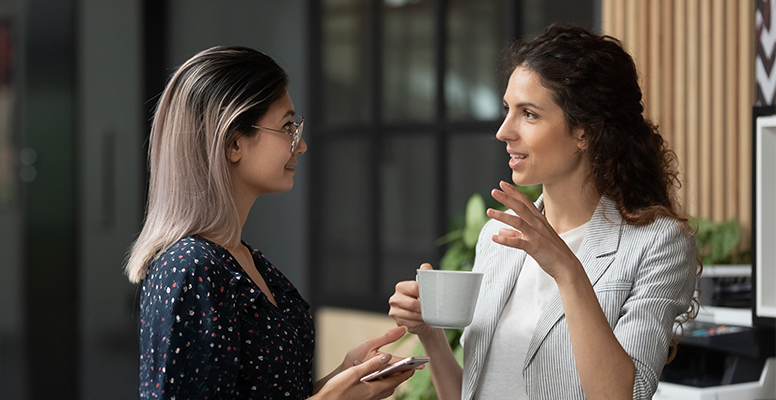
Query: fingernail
(356, 362)
(384, 358)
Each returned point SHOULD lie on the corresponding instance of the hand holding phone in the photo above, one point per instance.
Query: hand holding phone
(395, 368)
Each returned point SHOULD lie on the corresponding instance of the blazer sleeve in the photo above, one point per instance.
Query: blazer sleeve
(662, 290)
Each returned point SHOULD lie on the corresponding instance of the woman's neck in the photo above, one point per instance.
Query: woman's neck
(568, 209)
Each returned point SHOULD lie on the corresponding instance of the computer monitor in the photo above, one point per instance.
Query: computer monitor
(764, 217)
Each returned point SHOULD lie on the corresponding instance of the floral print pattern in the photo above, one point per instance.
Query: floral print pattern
(208, 332)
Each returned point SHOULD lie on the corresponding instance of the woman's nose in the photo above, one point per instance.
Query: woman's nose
(301, 147)
(506, 131)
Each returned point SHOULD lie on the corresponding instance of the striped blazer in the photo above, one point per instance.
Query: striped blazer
(644, 277)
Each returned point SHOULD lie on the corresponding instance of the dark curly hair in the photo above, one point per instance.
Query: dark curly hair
(596, 84)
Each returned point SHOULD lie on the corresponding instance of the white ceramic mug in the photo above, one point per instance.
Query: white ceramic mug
(448, 298)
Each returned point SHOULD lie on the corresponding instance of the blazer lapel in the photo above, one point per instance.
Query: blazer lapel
(496, 287)
(596, 255)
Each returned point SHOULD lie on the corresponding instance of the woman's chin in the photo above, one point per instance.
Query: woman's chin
(520, 180)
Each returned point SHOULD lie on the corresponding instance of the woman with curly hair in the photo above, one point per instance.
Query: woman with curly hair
(581, 289)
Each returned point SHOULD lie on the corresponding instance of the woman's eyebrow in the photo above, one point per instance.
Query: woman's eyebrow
(529, 104)
(522, 104)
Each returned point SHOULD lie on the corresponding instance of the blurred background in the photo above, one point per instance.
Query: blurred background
(402, 100)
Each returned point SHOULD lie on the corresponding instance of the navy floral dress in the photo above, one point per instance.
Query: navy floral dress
(208, 332)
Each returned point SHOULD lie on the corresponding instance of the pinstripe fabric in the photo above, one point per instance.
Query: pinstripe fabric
(644, 278)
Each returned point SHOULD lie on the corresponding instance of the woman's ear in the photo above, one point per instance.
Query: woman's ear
(579, 134)
(233, 152)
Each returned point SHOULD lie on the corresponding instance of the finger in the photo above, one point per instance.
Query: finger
(426, 266)
(515, 242)
(410, 322)
(512, 220)
(393, 359)
(374, 364)
(395, 380)
(513, 192)
(528, 204)
(404, 302)
(385, 387)
(403, 313)
(510, 233)
(408, 288)
(388, 337)
(514, 199)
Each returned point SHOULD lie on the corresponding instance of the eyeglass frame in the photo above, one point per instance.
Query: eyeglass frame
(296, 134)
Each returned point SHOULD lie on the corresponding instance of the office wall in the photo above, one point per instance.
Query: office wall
(111, 132)
(12, 365)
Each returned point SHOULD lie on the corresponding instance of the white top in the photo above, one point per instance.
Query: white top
(502, 373)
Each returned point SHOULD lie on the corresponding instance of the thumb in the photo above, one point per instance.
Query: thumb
(374, 364)
(426, 266)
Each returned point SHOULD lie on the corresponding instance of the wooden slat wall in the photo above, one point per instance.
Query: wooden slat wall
(696, 60)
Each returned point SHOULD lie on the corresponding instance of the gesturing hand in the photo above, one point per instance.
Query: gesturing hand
(532, 233)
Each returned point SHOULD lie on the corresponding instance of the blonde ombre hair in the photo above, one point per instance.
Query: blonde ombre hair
(210, 101)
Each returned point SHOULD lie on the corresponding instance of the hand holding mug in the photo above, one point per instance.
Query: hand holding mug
(405, 306)
(438, 299)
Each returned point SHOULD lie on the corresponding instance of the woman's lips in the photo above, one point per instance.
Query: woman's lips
(516, 159)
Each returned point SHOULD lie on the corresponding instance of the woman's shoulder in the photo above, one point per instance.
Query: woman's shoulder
(662, 225)
(664, 236)
(189, 256)
(193, 248)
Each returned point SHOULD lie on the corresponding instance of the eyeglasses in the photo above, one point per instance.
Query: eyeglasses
(295, 132)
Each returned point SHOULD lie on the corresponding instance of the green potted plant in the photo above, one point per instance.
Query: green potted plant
(716, 242)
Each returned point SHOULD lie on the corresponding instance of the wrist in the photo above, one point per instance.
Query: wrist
(572, 277)
(430, 336)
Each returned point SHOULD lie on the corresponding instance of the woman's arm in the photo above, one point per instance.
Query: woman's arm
(605, 369)
(446, 373)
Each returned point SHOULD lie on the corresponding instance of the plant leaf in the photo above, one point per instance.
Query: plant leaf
(475, 220)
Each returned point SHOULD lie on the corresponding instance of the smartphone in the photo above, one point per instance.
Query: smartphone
(395, 368)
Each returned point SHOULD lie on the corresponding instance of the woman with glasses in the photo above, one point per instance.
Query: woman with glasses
(582, 288)
(217, 319)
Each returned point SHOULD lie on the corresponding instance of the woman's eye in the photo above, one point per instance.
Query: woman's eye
(529, 114)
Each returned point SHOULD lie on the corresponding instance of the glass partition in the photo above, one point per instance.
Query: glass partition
(476, 33)
(408, 201)
(409, 82)
(344, 42)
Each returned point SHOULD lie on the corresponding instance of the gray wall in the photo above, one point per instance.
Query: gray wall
(111, 135)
